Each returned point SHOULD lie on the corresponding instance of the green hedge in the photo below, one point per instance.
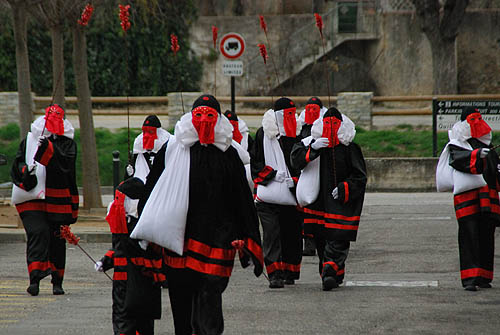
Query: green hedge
(152, 68)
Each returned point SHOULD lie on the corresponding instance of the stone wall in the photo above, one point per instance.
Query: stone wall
(357, 106)
(9, 108)
(401, 174)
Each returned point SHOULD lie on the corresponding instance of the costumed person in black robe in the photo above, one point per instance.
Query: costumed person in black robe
(469, 168)
(335, 213)
(201, 209)
(46, 158)
(313, 110)
(275, 181)
(137, 273)
(146, 145)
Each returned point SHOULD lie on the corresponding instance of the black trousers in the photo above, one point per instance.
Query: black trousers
(45, 250)
(476, 246)
(196, 302)
(282, 243)
(332, 257)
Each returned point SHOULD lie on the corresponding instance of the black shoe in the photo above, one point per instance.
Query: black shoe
(276, 283)
(289, 282)
(57, 289)
(485, 285)
(33, 289)
(329, 283)
(470, 288)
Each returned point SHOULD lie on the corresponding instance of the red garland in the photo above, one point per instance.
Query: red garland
(263, 24)
(174, 41)
(124, 17)
(214, 35)
(263, 52)
(86, 15)
(68, 235)
(319, 23)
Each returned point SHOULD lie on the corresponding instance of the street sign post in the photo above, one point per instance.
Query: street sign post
(445, 113)
(232, 46)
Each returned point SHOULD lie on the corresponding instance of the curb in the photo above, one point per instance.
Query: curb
(87, 237)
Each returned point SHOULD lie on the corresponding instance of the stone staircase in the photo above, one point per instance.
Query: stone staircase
(303, 46)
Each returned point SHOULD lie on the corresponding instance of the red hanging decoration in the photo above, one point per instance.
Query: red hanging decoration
(86, 15)
(124, 17)
(263, 52)
(174, 41)
(68, 235)
(319, 23)
(214, 35)
(263, 24)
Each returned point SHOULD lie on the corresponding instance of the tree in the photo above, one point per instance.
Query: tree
(19, 19)
(441, 29)
(53, 14)
(90, 167)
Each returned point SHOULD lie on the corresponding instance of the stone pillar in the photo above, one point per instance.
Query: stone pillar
(9, 108)
(175, 109)
(357, 106)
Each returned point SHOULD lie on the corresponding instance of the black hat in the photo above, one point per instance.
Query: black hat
(332, 111)
(315, 101)
(132, 188)
(207, 100)
(283, 103)
(231, 116)
(152, 121)
(468, 111)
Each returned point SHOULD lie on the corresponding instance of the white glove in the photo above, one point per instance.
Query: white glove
(483, 152)
(41, 138)
(33, 170)
(98, 266)
(321, 142)
(143, 244)
(280, 176)
(289, 182)
(498, 168)
(130, 170)
(335, 193)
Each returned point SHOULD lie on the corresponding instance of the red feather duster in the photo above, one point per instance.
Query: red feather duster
(263, 24)
(263, 52)
(68, 235)
(124, 17)
(86, 15)
(174, 41)
(214, 35)
(319, 23)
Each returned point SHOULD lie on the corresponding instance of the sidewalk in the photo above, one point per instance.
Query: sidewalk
(91, 226)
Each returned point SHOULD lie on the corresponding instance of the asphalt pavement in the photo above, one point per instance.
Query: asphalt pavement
(402, 277)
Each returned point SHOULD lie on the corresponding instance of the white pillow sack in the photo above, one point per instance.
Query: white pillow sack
(38, 192)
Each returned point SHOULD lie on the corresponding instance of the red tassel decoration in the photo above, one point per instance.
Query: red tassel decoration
(174, 41)
(238, 244)
(263, 24)
(86, 15)
(124, 17)
(214, 35)
(263, 52)
(319, 23)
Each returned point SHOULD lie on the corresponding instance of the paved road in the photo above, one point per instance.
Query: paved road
(402, 278)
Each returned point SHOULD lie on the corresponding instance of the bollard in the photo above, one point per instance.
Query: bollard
(116, 170)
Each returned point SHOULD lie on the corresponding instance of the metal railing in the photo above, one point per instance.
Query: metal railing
(382, 111)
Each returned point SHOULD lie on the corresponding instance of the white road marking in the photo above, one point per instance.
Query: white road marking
(423, 218)
(394, 283)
